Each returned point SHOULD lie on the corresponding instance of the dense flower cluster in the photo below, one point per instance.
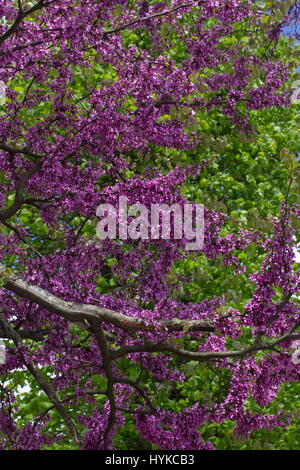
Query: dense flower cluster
(82, 100)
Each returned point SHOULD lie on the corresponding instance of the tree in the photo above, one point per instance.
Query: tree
(109, 99)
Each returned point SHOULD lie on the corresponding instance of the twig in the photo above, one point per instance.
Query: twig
(146, 18)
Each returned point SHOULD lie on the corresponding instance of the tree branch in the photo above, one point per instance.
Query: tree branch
(77, 312)
(21, 16)
(150, 17)
(45, 386)
(139, 389)
(19, 196)
(202, 356)
(106, 361)
(38, 335)
(15, 151)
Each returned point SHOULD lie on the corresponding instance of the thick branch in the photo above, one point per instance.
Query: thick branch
(76, 312)
(92, 313)
(19, 196)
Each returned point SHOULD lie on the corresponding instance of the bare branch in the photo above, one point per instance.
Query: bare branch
(202, 356)
(37, 335)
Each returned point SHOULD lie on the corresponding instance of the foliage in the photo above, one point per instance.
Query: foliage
(162, 102)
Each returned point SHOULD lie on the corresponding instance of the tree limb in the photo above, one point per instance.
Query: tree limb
(77, 312)
(19, 195)
(21, 16)
(106, 361)
(150, 17)
(45, 386)
(202, 356)
(38, 335)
